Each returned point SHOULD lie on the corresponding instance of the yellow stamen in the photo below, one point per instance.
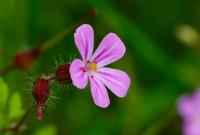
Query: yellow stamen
(93, 66)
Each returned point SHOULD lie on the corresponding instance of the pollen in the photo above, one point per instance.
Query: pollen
(93, 66)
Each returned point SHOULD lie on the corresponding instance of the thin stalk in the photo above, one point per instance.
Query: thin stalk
(18, 125)
(52, 41)
(7, 69)
(58, 37)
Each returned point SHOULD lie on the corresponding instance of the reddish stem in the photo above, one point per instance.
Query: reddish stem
(40, 109)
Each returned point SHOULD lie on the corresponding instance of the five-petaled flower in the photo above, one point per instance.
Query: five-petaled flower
(91, 67)
(189, 110)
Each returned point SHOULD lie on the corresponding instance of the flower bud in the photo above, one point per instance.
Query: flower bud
(62, 74)
(25, 59)
(41, 91)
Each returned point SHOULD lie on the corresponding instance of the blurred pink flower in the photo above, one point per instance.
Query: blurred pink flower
(189, 110)
(92, 65)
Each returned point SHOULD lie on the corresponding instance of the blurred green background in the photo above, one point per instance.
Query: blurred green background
(162, 60)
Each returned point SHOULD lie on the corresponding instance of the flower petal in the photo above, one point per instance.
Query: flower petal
(191, 128)
(186, 107)
(79, 78)
(116, 80)
(110, 49)
(196, 98)
(99, 93)
(84, 39)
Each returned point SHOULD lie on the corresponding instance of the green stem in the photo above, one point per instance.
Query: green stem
(58, 37)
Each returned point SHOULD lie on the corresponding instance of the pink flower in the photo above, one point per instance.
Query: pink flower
(189, 110)
(92, 66)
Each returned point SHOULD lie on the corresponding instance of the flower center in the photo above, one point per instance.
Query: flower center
(93, 66)
(90, 67)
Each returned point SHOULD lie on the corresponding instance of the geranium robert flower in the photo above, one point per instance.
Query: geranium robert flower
(92, 66)
(189, 110)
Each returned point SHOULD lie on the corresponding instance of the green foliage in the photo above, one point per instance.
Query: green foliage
(14, 111)
(15, 107)
(2, 119)
(3, 93)
(46, 130)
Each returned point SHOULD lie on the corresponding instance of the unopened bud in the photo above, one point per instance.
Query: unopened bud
(25, 59)
(62, 74)
(41, 91)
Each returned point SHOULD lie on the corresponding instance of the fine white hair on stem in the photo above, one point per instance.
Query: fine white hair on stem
(61, 60)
